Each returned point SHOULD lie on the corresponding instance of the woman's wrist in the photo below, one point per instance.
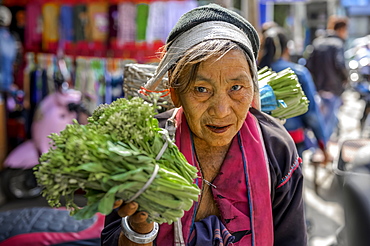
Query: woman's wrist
(124, 241)
(138, 238)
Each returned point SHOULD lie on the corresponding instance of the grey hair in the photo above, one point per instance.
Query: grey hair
(184, 71)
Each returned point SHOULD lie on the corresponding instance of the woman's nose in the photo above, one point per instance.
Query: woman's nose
(220, 105)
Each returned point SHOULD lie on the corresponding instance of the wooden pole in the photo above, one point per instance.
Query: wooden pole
(250, 10)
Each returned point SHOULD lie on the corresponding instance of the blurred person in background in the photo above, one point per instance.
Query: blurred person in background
(8, 50)
(327, 65)
(275, 54)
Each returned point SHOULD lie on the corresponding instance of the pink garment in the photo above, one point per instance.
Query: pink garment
(246, 155)
(33, 28)
(24, 156)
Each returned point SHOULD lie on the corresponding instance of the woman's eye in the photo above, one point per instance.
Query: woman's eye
(201, 89)
(236, 87)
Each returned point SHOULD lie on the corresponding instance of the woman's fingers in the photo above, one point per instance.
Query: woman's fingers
(138, 222)
(117, 204)
(127, 209)
(137, 219)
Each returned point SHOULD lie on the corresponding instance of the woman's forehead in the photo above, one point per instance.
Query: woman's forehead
(233, 61)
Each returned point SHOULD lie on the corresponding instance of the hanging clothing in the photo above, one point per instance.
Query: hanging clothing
(30, 66)
(260, 224)
(97, 28)
(113, 24)
(85, 82)
(142, 11)
(19, 21)
(126, 32)
(98, 70)
(66, 26)
(50, 27)
(80, 22)
(38, 81)
(8, 53)
(33, 27)
(157, 20)
(117, 87)
(176, 10)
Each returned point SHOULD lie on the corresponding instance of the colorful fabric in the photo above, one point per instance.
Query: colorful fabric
(210, 231)
(97, 28)
(157, 19)
(113, 22)
(35, 226)
(85, 82)
(66, 23)
(8, 52)
(142, 10)
(50, 31)
(268, 98)
(176, 9)
(126, 23)
(18, 23)
(33, 28)
(80, 21)
(286, 178)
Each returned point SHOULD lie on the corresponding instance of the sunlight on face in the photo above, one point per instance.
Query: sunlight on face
(218, 100)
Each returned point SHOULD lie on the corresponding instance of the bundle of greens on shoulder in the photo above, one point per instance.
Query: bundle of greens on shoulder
(111, 158)
(288, 92)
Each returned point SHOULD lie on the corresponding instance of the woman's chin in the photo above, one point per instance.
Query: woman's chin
(219, 141)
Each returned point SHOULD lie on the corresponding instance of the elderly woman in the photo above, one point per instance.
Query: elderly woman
(249, 170)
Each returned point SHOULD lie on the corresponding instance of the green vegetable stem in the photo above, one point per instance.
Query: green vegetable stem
(113, 157)
(287, 89)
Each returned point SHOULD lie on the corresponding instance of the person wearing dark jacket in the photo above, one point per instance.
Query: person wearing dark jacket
(249, 171)
(327, 66)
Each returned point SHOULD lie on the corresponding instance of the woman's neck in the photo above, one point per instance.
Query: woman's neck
(210, 158)
(203, 149)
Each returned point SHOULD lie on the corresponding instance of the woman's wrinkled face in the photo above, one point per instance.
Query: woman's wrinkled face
(218, 101)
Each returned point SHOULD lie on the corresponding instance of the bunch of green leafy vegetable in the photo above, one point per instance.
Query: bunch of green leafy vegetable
(287, 90)
(111, 158)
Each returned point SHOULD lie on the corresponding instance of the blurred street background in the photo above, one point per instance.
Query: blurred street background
(324, 207)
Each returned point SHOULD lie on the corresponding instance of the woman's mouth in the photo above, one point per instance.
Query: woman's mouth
(218, 129)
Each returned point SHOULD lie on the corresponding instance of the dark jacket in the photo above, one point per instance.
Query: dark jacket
(327, 64)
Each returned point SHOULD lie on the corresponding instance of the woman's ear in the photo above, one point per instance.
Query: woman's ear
(175, 98)
(256, 102)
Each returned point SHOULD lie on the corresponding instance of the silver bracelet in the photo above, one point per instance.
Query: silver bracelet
(137, 237)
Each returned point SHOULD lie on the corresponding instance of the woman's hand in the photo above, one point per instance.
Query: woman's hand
(137, 220)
